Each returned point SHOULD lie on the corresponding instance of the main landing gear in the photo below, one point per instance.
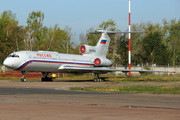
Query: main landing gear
(22, 78)
(97, 78)
(45, 77)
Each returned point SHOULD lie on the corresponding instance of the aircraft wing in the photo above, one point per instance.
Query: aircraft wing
(101, 70)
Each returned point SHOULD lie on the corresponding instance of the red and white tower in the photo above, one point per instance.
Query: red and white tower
(129, 40)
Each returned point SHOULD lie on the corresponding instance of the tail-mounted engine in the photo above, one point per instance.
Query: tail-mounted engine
(86, 49)
(98, 62)
(90, 51)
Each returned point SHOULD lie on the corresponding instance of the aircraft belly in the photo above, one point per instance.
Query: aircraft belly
(42, 67)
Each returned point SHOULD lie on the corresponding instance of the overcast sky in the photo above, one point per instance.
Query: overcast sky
(81, 15)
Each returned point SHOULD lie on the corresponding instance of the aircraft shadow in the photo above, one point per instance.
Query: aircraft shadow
(91, 80)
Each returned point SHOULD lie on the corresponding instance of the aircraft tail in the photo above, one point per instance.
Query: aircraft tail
(99, 50)
(102, 45)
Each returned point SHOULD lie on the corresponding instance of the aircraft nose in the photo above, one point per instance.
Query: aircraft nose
(8, 63)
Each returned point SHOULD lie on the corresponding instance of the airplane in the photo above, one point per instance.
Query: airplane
(92, 60)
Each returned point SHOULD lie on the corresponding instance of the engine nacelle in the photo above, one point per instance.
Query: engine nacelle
(86, 49)
(98, 62)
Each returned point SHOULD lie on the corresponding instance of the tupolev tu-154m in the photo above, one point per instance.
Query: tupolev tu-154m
(92, 60)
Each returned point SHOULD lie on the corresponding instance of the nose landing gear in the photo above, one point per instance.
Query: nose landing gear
(22, 78)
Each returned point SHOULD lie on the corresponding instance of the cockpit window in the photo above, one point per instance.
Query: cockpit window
(13, 55)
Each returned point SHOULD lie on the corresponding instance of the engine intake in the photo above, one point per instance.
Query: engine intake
(82, 49)
(98, 62)
(86, 49)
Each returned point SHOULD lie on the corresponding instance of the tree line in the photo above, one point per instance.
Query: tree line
(159, 46)
(32, 37)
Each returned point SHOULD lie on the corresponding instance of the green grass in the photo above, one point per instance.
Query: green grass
(17, 78)
(113, 78)
(134, 89)
(146, 78)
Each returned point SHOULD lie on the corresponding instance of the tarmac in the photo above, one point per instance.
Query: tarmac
(34, 100)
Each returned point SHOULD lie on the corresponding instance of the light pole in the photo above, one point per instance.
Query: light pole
(129, 40)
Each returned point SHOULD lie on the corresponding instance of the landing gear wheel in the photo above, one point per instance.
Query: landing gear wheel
(102, 79)
(50, 79)
(97, 78)
(46, 79)
(42, 79)
(23, 79)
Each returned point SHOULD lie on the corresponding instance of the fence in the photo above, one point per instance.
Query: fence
(154, 68)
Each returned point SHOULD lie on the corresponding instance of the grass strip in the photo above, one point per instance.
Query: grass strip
(134, 89)
(112, 78)
(146, 78)
(17, 78)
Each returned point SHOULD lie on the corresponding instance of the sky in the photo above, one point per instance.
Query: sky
(81, 15)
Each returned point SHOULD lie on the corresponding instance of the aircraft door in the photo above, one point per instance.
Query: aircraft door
(27, 61)
(29, 55)
(58, 59)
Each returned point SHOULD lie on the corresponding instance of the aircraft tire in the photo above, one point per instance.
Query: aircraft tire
(43, 79)
(46, 79)
(99, 79)
(23, 79)
(102, 79)
(50, 79)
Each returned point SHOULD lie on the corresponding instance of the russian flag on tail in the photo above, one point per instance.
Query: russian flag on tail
(103, 41)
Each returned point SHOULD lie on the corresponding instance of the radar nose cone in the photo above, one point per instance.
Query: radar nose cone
(8, 63)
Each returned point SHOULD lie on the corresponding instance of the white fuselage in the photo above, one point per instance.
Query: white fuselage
(46, 61)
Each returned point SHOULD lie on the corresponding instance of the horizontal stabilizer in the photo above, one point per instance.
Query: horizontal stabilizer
(116, 32)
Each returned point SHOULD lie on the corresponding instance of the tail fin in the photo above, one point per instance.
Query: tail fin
(99, 50)
(102, 45)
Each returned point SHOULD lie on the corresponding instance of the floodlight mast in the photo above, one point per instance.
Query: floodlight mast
(129, 40)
